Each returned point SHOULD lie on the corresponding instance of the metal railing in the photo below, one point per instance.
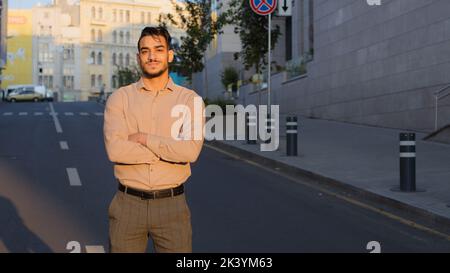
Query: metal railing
(438, 95)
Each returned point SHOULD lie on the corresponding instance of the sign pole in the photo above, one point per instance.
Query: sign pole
(269, 60)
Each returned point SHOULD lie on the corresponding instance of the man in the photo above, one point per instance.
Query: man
(151, 165)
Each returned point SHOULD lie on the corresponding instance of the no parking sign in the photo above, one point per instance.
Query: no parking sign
(263, 7)
(266, 7)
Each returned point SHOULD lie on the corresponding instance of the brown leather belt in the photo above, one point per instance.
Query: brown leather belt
(152, 194)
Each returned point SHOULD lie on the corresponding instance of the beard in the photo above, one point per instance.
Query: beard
(151, 75)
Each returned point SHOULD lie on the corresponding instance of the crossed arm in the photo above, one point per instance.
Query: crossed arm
(143, 148)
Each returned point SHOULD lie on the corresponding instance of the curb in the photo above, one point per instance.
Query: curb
(384, 203)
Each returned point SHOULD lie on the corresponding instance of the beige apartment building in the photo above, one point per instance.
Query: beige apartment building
(80, 44)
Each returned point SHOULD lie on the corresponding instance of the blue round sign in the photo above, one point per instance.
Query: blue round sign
(263, 7)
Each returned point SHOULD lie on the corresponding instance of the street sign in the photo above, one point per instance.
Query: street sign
(285, 8)
(263, 7)
(266, 7)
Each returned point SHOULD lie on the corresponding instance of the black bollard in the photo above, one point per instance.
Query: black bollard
(291, 136)
(408, 162)
(250, 122)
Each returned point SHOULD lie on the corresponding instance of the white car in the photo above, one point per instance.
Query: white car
(40, 89)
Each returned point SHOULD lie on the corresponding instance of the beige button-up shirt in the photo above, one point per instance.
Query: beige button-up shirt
(164, 162)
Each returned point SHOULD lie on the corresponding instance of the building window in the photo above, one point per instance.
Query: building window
(114, 59)
(128, 37)
(93, 12)
(100, 58)
(48, 81)
(127, 59)
(120, 59)
(92, 81)
(121, 37)
(69, 52)
(100, 13)
(142, 17)
(99, 80)
(288, 38)
(99, 36)
(50, 30)
(127, 15)
(149, 17)
(114, 36)
(68, 82)
(92, 57)
(114, 15)
(121, 16)
(92, 35)
(311, 27)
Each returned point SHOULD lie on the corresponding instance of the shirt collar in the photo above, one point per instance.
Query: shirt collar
(169, 86)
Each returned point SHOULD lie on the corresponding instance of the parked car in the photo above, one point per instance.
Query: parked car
(27, 93)
(10, 89)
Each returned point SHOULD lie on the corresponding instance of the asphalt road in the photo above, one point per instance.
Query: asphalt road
(54, 199)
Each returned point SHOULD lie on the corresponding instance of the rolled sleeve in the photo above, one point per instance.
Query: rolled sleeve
(115, 130)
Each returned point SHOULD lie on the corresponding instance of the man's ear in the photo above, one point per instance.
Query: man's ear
(171, 55)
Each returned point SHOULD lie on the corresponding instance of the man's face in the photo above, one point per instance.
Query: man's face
(154, 56)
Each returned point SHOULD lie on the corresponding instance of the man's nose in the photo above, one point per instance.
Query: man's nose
(151, 56)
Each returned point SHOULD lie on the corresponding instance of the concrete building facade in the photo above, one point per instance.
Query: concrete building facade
(373, 65)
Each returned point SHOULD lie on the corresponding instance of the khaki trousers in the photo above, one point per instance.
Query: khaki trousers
(132, 220)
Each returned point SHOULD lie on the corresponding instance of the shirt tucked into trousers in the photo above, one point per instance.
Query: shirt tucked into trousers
(163, 163)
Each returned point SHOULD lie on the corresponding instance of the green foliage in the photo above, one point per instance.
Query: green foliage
(253, 32)
(194, 17)
(127, 75)
(230, 76)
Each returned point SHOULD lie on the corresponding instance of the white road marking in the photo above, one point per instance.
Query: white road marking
(7, 114)
(38, 113)
(68, 113)
(63, 145)
(55, 119)
(98, 114)
(95, 249)
(23, 113)
(74, 178)
(84, 114)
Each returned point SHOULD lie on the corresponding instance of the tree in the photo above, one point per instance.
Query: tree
(230, 76)
(195, 18)
(253, 32)
(127, 75)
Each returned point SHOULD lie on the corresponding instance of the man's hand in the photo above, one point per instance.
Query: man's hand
(139, 138)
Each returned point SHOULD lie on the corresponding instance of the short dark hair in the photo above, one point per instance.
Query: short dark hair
(156, 31)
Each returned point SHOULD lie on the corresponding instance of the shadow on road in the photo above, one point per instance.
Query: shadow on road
(16, 237)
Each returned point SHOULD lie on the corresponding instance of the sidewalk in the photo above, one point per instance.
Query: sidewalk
(364, 160)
